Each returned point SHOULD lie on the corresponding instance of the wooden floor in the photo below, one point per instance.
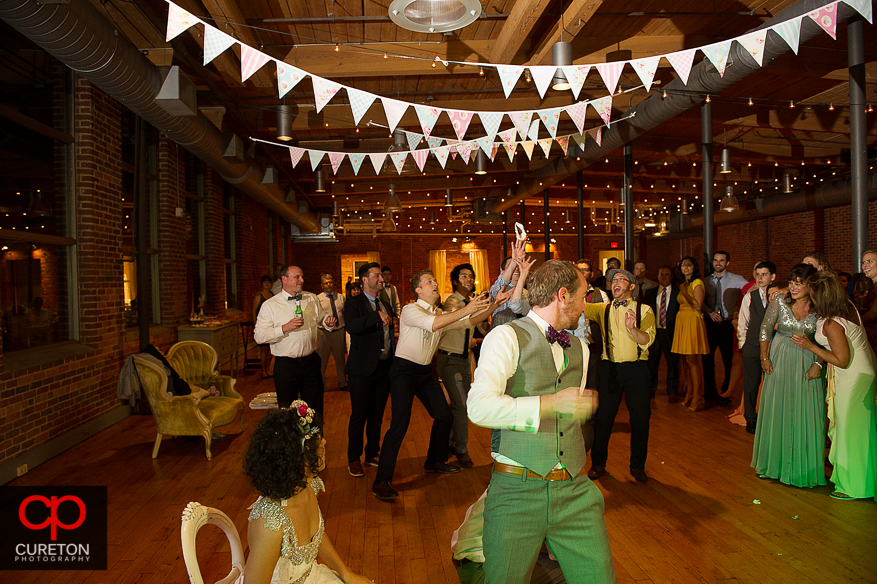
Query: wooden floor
(703, 516)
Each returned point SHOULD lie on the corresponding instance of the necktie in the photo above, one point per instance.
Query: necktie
(619, 303)
(380, 323)
(719, 298)
(297, 297)
(334, 310)
(560, 337)
(663, 311)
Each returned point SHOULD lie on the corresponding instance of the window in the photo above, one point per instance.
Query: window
(195, 264)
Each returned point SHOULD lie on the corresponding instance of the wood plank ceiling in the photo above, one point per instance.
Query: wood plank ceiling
(765, 137)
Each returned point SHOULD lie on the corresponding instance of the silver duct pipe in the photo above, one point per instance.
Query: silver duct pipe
(76, 34)
(656, 110)
(833, 194)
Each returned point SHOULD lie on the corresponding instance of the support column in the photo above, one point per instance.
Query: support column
(580, 228)
(627, 201)
(547, 227)
(858, 142)
(141, 242)
(706, 156)
(505, 234)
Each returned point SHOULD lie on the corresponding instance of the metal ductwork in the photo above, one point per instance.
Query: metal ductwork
(76, 34)
(834, 194)
(655, 110)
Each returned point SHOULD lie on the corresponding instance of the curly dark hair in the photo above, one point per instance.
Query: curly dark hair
(800, 273)
(276, 463)
(680, 277)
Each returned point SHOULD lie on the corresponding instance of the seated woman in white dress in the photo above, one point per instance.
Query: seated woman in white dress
(286, 529)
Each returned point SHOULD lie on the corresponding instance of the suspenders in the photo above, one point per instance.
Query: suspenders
(606, 340)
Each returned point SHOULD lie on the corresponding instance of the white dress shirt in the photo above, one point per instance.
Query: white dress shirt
(583, 330)
(417, 340)
(276, 312)
(327, 308)
(455, 341)
(732, 285)
(488, 404)
(666, 304)
(745, 311)
(391, 295)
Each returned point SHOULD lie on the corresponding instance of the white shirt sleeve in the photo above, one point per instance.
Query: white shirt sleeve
(265, 332)
(413, 315)
(488, 404)
(743, 321)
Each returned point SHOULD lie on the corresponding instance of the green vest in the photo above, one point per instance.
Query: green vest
(559, 439)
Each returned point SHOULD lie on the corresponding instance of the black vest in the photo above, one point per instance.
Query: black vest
(756, 316)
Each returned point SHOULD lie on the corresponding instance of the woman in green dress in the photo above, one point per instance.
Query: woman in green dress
(790, 435)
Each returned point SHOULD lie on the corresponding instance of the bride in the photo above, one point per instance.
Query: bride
(286, 528)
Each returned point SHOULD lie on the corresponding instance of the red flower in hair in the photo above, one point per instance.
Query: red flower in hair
(303, 410)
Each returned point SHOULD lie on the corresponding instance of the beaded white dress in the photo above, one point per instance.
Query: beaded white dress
(296, 564)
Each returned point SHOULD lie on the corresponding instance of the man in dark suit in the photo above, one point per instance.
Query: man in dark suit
(663, 299)
(369, 321)
(752, 311)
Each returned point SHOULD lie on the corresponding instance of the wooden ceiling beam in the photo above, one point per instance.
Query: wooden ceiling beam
(516, 30)
(803, 120)
(226, 13)
(575, 17)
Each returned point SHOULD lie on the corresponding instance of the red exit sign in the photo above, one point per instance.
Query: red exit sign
(613, 245)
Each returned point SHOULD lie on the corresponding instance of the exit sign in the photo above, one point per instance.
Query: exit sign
(613, 245)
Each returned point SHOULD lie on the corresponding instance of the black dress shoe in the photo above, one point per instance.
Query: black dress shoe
(750, 427)
(384, 491)
(441, 467)
(464, 460)
(596, 472)
(639, 474)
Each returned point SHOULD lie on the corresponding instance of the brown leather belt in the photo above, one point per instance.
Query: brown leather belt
(449, 354)
(558, 474)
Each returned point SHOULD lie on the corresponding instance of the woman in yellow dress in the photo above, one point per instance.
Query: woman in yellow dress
(689, 337)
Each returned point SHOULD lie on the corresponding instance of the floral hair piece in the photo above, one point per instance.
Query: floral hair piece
(305, 419)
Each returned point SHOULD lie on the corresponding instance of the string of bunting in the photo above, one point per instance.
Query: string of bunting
(288, 76)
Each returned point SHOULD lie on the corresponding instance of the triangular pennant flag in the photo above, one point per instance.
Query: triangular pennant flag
(178, 21)
(542, 77)
(597, 135)
(577, 113)
(356, 161)
(419, 157)
(533, 134)
(491, 122)
(398, 159)
(550, 119)
(251, 61)
(460, 121)
(324, 91)
(493, 151)
(360, 102)
(316, 156)
(295, 155)
(465, 151)
(863, 7)
(610, 72)
(576, 76)
(681, 61)
(521, 120)
(510, 149)
(603, 106)
(486, 143)
(377, 159)
(580, 140)
(394, 109)
(564, 143)
(287, 77)
(826, 18)
(718, 55)
(216, 42)
(433, 141)
(754, 44)
(545, 143)
(413, 139)
(335, 159)
(645, 69)
(790, 31)
(507, 136)
(508, 77)
(442, 154)
(454, 150)
(528, 148)
(427, 116)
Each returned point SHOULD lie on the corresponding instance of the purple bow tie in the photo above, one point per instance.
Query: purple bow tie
(560, 337)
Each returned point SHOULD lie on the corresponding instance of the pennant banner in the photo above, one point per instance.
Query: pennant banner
(335, 159)
(576, 76)
(645, 69)
(521, 120)
(790, 31)
(577, 114)
(433, 142)
(507, 136)
(316, 156)
(603, 107)
(394, 109)
(178, 21)
(215, 43)
(377, 159)
(287, 77)
(486, 144)
(295, 155)
(550, 119)
(460, 121)
(324, 91)
(442, 154)
(427, 116)
(863, 7)
(533, 134)
(564, 143)
(398, 159)
(718, 55)
(251, 61)
(508, 77)
(610, 72)
(542, 77)
(545, 143)
(413, 139)
(528, 148)
(419, 157)
(356, 161)
(681, 61)
(826, 17)
(360, 102)
(754, 44)
(510, 149)
(491, 122)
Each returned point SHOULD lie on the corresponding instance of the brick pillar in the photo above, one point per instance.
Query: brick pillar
(214, 251)
(174, 308)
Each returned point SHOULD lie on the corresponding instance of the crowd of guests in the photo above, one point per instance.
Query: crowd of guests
(564, 348)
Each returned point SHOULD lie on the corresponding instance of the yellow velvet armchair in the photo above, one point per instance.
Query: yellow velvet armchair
(196, 414)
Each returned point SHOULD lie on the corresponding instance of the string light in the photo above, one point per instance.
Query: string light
(791, 104)
(707, 100)
(831, 107)
(664, 95)
(386, 56)
(750, 101)
(481, 71)
(337, 48)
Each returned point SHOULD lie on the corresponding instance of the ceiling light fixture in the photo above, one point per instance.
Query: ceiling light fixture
(434, 16)
(392, 203)
(787, 182)
(284, 123)
(561, 56)
(319, 183)
(449, 200)
(481, 162)
(725, 167)
(729, 201)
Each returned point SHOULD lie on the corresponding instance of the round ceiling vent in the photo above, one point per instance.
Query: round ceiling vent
(434, 15)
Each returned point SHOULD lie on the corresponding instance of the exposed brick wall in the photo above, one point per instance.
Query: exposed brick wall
(214, 226)
(174, 303)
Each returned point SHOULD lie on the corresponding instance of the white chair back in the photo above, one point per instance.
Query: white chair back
(196, 516)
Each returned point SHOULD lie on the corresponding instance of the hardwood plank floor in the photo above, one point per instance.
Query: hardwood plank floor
(695, 521)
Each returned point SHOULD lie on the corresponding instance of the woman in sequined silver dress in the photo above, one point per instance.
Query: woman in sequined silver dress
(286, 528)
(790, 431)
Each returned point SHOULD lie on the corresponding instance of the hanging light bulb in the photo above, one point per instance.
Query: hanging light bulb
(481, 162)
(481, 71)
(392, 203)
(284, 122)
(561, 56)
(831, 107)
(791, 104)
(337, 48)
(432, 216)
(319, 184)
(527, 77)
(787, 182)
(707, 100)
(729, 201)
(750, 101)
(386, 56)
(449, 199)
(664, 94)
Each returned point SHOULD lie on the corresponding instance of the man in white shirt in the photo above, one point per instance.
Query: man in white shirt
(293, 339)
(390, 294)
(642, 283)
(332, 340)
(664, 302)
(722, 290)
(420, 327)
(752, 311)
(529, 385)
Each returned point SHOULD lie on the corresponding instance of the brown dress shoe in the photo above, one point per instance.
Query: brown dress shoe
(373, 461)
(639, 474)
(596, 472)
(384, 491)
(355, 469)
